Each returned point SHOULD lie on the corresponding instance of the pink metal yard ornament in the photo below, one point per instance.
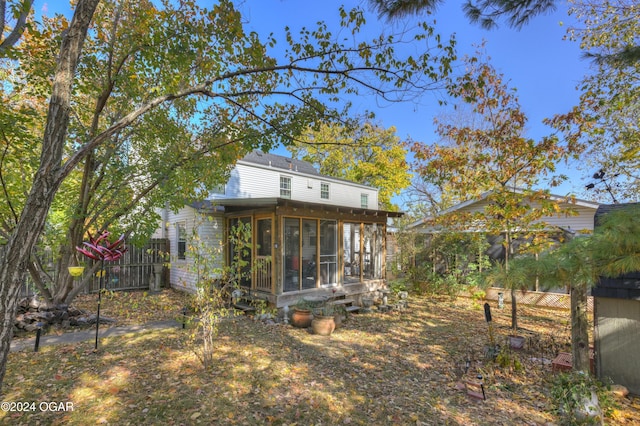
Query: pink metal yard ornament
(100, 249)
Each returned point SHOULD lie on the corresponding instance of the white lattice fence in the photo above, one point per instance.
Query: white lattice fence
(537, 298)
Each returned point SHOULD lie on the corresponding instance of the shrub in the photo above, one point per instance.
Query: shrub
(580, 399)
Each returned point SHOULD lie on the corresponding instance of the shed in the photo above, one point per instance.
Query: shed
(617, 323)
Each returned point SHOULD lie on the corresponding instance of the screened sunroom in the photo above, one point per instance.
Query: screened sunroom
(301, 249)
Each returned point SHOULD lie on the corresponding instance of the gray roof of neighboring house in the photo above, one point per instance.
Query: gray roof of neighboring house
(280, 162)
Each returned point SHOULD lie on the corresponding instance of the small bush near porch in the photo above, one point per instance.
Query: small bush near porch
(394, 368)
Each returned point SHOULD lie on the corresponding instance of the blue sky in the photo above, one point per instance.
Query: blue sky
(544, 68)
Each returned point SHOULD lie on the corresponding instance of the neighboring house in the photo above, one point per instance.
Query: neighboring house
(617, 325)
(312, 234)
(580, 221)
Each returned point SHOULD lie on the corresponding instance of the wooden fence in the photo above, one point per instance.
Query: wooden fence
(133, 271)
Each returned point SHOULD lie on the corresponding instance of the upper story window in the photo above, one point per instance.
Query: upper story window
(181, 229)
(285, 187)
(364, 201)
(324, 191)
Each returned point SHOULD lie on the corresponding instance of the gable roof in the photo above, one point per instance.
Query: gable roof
(280, 162)
(568, 199)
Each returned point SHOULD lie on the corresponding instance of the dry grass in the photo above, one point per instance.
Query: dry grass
(136, 307)
(383, 369)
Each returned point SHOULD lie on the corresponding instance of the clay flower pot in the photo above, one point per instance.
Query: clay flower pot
(301, 318)
(323, 325)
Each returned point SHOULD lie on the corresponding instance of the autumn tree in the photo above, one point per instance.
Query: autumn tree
(429, 197)
(491, 158)
(366, 154)
(607, 120)
(164, 158)
(194, 84)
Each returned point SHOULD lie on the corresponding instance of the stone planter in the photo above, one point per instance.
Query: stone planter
(301, 318)
(367, 303)
(323, 325)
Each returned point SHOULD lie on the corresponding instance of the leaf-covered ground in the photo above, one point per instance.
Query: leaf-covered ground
(393, 368)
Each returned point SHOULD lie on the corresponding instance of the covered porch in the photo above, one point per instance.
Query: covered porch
(305, 249)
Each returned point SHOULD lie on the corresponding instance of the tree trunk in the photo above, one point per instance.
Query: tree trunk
(579, 329)
(10, 283)
(47, 179)
(514, 302)
(514, 310)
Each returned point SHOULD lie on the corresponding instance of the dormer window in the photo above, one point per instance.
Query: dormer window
(285, 187)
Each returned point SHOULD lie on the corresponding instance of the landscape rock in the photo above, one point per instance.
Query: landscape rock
(619, 390)
(33, 314)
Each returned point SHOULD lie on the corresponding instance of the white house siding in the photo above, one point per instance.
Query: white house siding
(255, 181)
(581, 222)
(162, 230)
(210, 231)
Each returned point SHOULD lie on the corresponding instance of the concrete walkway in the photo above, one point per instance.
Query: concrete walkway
(89, 334)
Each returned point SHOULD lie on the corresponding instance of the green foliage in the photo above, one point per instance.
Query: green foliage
(398, 285)
(569, 392)
(448, 262)
(477, 295)
(429, 283)
(263, 309)
(516, 277)
(180, 89)
(326, 310)
(507, 359)
(605, 122)
(615, 245)
(367, 154)
(303, 305)
(612, 250)
(146, 70)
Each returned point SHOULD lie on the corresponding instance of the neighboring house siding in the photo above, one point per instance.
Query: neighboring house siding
(583, 221)
(182, 273)
(254, 181)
